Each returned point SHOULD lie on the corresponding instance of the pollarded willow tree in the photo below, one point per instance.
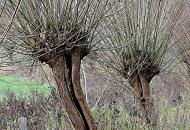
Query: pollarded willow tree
(60, 34)
(136, 44)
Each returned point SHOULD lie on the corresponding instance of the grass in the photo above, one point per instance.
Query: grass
(170, 118)
(21, 87)
(108, 118)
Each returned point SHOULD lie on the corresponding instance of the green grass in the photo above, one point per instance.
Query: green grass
(21, 87)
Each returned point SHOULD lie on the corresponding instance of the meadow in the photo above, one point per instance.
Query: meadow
(44, 111)
(20, 86)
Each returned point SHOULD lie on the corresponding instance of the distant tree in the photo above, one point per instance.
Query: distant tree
(60, 34)
(136, 43)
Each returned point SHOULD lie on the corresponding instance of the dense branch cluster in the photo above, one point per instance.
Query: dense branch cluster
(54, 45)
(139, 62)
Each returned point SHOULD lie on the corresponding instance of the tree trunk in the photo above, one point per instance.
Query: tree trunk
(142, 91)
(66, 72)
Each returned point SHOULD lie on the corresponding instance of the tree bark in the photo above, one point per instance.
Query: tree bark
(66, 72)
(142, 91)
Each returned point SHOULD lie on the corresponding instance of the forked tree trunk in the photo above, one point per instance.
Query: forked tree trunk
(142, 91)
(66, 72)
